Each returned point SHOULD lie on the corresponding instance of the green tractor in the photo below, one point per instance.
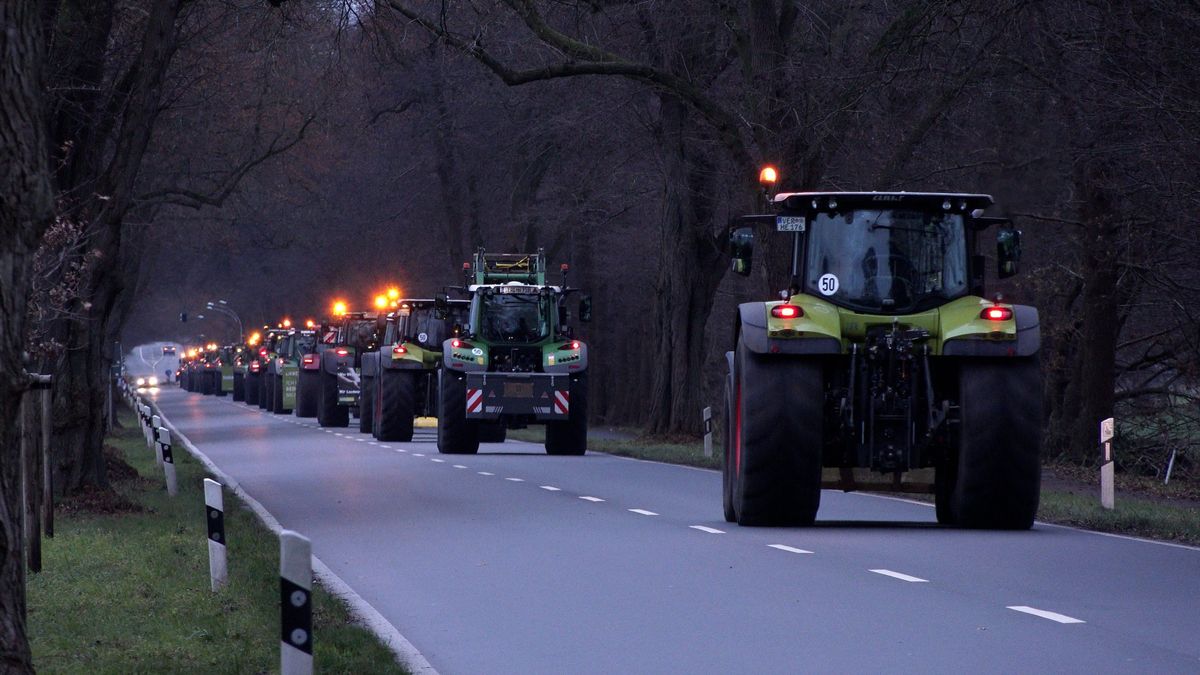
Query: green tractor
(517, 362)
(340, 365)
(883, 366)
(400, 378)
(295, 355)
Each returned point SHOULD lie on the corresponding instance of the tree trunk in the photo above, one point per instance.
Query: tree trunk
(26, 210)
(690, 269)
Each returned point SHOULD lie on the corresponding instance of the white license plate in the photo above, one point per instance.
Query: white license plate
(524, 290)
(789, 223)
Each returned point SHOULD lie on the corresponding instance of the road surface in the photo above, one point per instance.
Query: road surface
(511, 561)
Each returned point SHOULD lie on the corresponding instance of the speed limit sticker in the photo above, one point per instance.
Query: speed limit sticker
(827, 284)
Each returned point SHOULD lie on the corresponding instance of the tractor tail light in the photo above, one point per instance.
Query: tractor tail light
(341, 351)
(254, 366)
(399, 349)
(459, 344)
(996, 314)
(574, 344)
(263, 352)
(309, 359)
(787, 312)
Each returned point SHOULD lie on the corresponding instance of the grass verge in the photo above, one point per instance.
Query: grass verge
(1144, 508)
(125, 585)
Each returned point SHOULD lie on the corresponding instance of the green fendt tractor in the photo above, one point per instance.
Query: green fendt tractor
(882, 363)
(295, 352)
(516, 362)
(400, 378)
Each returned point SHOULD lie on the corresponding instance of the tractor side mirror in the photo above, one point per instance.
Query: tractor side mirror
(441, 306)
(1008, 251)
(585, 308)
(741, 249)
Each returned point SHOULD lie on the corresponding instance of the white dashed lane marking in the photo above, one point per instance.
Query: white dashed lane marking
(417, 454)
(516, 480)
(1053, 616)
(435, 459)
(486, 473)
(591, 499)
(643, 512)
(900, 576)
(789, 549)
(459, 466)
(550, 488)
(710, 530)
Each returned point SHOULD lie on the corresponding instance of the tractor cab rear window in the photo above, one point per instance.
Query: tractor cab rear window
(523, 317)
(886, 260)
(359, 334)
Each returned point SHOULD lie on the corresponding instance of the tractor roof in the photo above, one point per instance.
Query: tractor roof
(957, 201)
(491, 268)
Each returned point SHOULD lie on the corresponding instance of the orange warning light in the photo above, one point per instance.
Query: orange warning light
(768, 176)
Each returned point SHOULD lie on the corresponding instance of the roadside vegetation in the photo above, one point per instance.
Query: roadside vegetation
(1145, 507)
(125, 586)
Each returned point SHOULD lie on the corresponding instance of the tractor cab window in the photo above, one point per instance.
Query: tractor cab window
(424, 328)
(887, 260)
(306, 343)
(359, 334)
(514, 317)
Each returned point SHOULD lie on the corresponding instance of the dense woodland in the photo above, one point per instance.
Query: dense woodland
(156, 154)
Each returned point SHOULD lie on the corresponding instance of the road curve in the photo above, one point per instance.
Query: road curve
(511, 561)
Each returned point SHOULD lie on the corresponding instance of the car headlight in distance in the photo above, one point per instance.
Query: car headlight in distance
(141, 382)
(152, 381)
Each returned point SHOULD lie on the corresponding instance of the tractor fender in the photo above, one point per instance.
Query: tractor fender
(752, 330)
(1029, 339)
(370, 364)
(330, 361)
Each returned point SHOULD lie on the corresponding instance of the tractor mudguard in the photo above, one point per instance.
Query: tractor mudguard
(753, 326)
(1029, 339)
(330, 361)
(370, 364)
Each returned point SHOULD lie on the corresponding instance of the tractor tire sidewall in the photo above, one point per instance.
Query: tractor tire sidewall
(252, 386)
(366, 404)
(455, 435)
(329, 413)
(782, 416)
(239, 387)
(264, 390)
(570, 437)
(727, 454)
(1000, 435)
(306, 394)
(397, 401)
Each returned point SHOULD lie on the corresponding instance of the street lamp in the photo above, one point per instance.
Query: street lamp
(223, 307)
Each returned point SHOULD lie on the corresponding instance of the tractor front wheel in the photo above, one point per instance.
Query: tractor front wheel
(779, 416)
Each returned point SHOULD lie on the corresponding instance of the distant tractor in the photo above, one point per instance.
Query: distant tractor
(882, 363)
(400, 378)
(338, 388)
(516, 362)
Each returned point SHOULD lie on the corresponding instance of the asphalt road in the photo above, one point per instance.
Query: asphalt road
(511, 561)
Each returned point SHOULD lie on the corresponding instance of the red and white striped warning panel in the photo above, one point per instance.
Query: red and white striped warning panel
(474, 400)
(562, 402)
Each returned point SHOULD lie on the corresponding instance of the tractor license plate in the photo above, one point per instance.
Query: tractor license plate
(789, 223)
(518, 389)
(522, 290)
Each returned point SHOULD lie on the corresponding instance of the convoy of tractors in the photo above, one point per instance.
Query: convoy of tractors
(883, 365)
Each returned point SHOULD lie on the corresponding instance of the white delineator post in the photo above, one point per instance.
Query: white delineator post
(214, 513)
(1107, 489)
(164, 443)
(707, 431)
(295, 602)
(155, 424)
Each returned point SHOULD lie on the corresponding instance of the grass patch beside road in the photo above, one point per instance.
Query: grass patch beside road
(125, 585)
(1144, 508)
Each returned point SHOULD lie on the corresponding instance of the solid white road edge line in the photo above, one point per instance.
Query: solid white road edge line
(900, 576)
(643, 512)
(362, 610)
(1053, 616)
(789, 549)
(710, 530)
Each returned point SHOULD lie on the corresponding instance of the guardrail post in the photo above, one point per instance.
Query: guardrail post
(1107, 489)
(164, 442)
(295, 595)
(214, 513)
(707, 413)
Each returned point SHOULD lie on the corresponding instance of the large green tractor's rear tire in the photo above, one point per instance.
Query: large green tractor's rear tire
(456, 436)
(779, 418)
(726, 470)
(570, 437)
(998, 481)
(494, 432)
(308, 393)
(253, 385)
(366, 404)
(239, 387)
(329, 413)
(264, 389)
(397, 405)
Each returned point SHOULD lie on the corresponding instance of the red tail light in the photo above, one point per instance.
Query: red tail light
(309, 359)
(399, 349)
(787, 312)
(459, 344)
(341, 351)
(574, 344)
(254, 366)
(263, 352)
(996, 314)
